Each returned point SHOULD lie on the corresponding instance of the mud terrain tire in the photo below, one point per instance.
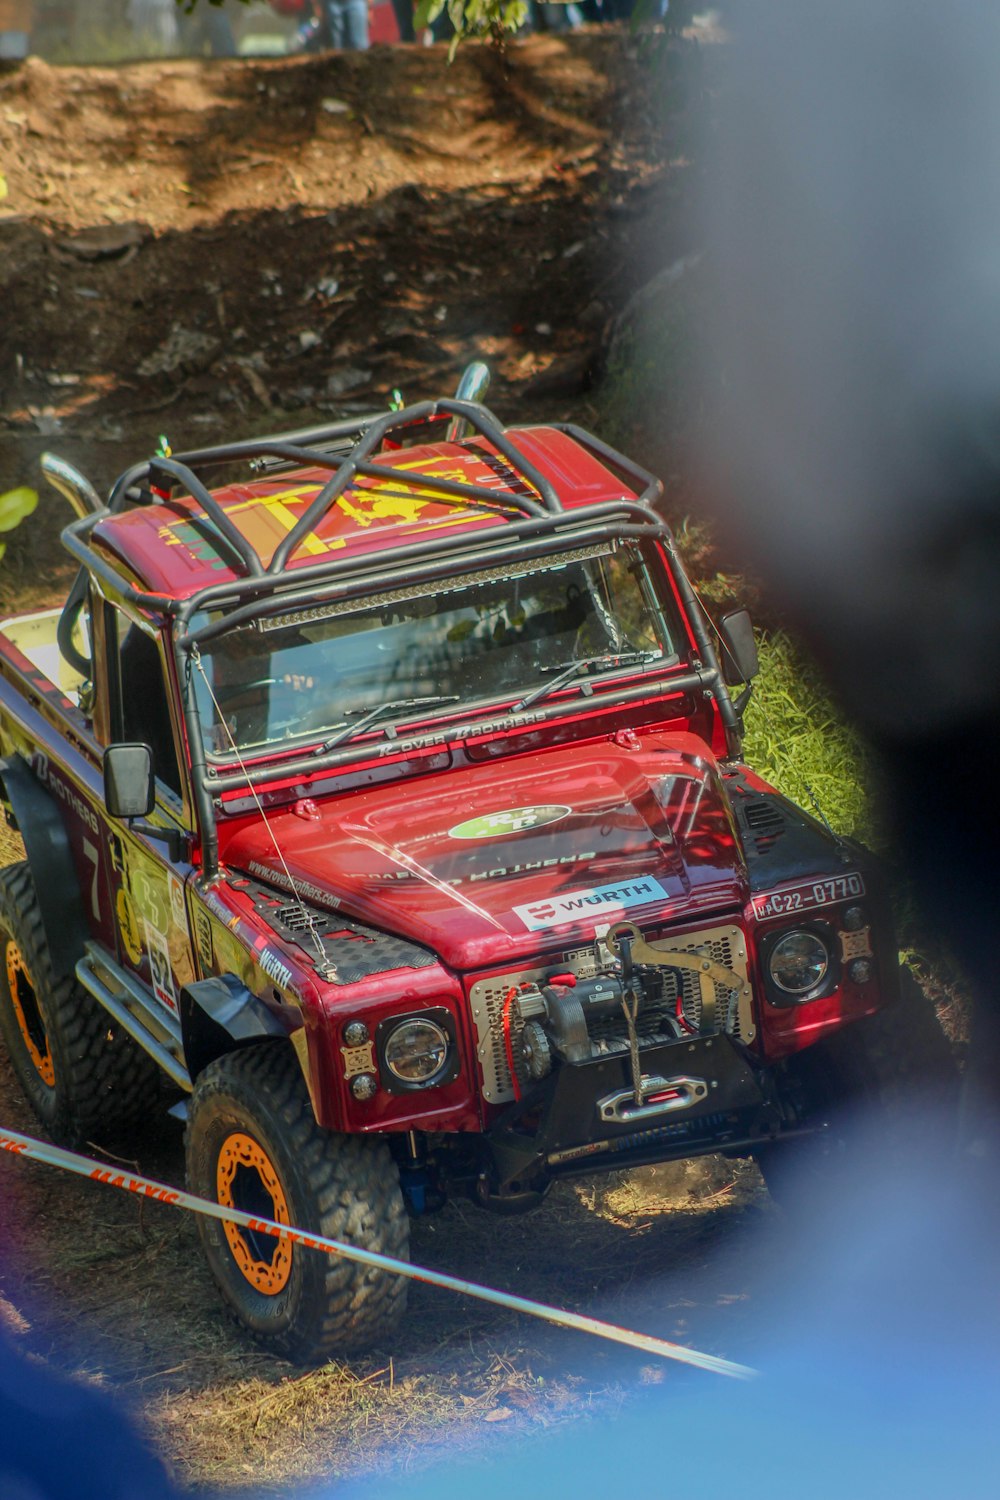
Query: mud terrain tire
(253, 1142)
(83, 1074)
(895, 1069)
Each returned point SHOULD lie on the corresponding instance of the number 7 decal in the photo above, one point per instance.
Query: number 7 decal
(92, 855)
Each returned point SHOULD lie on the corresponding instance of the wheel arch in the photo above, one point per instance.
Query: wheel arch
(220, 1015)
(38, 820)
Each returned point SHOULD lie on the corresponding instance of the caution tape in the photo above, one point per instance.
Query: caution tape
(143, 1187)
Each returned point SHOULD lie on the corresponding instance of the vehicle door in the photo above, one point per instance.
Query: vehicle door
(148, 882)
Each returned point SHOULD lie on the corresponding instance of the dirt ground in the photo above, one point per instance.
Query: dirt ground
(117, 1292)
(216, 250)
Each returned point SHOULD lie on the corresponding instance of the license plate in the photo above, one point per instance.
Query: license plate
(807, 896)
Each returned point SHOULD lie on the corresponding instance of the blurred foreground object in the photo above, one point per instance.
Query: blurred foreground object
(878, 1372)
(852, 224)
(60, 1439)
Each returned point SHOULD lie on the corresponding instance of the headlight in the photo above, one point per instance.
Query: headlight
(416, 1051)
(798, 963)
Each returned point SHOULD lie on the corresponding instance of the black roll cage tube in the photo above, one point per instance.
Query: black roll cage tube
(419, 562)
(532, 527)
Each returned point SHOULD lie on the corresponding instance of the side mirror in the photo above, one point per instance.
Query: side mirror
(129, 782)
(739, 649)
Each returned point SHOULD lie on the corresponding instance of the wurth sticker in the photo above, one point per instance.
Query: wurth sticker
(575, 906)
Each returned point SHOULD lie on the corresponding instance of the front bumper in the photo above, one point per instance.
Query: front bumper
(700, 1095)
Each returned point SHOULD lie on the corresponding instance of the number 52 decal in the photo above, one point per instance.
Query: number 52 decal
(159, 968)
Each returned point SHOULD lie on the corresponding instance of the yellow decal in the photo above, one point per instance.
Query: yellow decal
(276, 509)
(394, 499)
(231, 956)
(405, 503)
(203, 937)
(128, 926)
(177, 911)
(268, 518)
(148, 885)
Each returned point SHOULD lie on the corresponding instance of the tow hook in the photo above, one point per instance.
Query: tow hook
(660, 1096)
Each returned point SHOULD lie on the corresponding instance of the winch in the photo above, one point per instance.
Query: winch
(556, 1017)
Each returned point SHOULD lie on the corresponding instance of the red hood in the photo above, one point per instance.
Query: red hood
(499, 860)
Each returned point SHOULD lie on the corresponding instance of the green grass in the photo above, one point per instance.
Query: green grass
(797, 739)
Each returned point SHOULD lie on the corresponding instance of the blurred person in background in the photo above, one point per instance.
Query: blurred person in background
(154, 25)
(403, 11)
(209, 28)
(346, 24)
(554, 15)
(340, 24)
(16, 20)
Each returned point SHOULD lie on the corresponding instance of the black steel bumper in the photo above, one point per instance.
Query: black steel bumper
(699, 1096)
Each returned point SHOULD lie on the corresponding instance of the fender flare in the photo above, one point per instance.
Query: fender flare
(219, 1015)
(38, 819)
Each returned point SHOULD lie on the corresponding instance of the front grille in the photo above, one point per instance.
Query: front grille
(487, 998)
(724, 945)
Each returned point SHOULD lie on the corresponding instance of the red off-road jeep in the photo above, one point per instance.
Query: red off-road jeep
(386, 796)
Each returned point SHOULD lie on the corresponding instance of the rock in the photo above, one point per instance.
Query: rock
(106, 241)
(594, 315)
(347, 379)
(564, 377)
(46, 421)
(182, 350)
(651, 293)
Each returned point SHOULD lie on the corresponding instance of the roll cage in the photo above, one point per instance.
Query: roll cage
(537, 526)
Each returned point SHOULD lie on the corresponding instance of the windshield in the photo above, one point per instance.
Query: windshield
(320, 670)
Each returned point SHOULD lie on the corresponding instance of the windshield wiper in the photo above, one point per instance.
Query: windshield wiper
(396, 705)
(581, 664)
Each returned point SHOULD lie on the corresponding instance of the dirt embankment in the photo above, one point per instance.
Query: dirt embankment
(219, 250)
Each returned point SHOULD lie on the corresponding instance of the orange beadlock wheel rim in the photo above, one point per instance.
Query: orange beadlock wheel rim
(246, 1179)
(27, 1014)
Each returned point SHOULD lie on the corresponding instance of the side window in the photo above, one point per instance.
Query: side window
(141, 711)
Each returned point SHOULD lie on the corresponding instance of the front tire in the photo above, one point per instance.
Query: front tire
(83, 1075)
(253, 1144)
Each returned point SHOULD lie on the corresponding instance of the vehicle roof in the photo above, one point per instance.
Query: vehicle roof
(168, 548)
